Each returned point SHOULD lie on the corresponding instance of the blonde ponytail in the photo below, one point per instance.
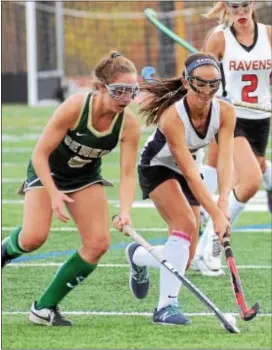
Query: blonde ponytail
(220, 12)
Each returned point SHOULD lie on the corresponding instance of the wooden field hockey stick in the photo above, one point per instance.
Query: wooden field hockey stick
(139, 239)
(246, 313)
(152, 17)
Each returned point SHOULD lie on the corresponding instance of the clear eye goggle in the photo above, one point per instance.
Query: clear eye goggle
(200, 85)
(120, 91)
(235, 6)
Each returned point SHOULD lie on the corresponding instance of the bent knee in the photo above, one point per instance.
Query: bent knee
(253, 184)
(102, 246)
(95, 248)
(186, 224)
(30, 241)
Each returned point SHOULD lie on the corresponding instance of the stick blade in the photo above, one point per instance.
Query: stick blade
(231, 328)
(250, 313)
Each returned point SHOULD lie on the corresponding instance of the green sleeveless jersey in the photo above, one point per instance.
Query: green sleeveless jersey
(76, 162)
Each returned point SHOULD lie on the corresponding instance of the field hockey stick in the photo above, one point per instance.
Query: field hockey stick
(246, 313)
(254, 106)
(139, 239)
(152, 17)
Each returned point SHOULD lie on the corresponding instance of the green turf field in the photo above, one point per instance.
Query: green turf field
(104, 313)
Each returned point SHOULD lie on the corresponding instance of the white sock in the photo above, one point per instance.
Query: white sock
(176, 252)
(235, 207)
(267, 176)
(210, 178)
(142, 257)
(209, 231)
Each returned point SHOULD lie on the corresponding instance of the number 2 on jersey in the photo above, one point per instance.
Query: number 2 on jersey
(253, 79)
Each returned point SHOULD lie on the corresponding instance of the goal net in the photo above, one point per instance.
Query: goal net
(69, 43)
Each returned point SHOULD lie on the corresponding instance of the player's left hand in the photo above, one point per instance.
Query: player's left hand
(121, 220)
(224, 206)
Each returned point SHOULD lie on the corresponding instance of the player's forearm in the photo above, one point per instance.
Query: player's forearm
(42, 169)
(224, 174)
(202, 194)
(127, 192)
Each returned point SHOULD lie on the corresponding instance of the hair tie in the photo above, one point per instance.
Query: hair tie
(115, 54)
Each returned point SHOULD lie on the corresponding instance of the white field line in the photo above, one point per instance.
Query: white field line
(123, 313)
(29, 150)
(260, 196)
(17, 150)
(29, 128)
(250, 207)
(53, 264)
(17, 180)
(24, 164)
(14, 164)
(148, 229)
(18, 138)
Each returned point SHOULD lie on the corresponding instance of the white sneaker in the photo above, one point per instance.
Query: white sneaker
(212, 253)
(198, 264)
(48, 317)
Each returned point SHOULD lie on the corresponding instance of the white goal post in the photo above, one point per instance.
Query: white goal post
(40, 82)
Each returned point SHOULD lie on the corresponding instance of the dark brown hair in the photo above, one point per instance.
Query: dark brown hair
(165, 92)
(110, 67)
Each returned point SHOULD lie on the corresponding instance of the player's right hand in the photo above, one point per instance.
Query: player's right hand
(57, 201)
(221, 225)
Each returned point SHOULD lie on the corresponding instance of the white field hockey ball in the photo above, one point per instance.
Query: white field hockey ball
(230, 318)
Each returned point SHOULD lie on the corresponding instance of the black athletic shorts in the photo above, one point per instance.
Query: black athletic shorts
(151, 177)
(256, 131)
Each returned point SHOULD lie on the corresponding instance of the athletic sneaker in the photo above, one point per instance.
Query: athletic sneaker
(139, 277)
(198, 264)
(5, 258)
(269, 200)
(212, 253)
(170, 315)
(48, 317)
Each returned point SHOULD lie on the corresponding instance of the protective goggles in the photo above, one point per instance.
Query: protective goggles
(123, 91)
(200, 85)
(236, 6)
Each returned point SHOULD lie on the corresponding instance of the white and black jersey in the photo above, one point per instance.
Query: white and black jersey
(247, 71)
(156, 151)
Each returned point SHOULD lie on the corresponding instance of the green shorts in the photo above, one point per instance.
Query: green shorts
(63, 182)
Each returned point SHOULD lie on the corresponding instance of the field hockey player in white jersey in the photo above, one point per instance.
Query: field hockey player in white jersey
(243, 47)
(187, 117)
